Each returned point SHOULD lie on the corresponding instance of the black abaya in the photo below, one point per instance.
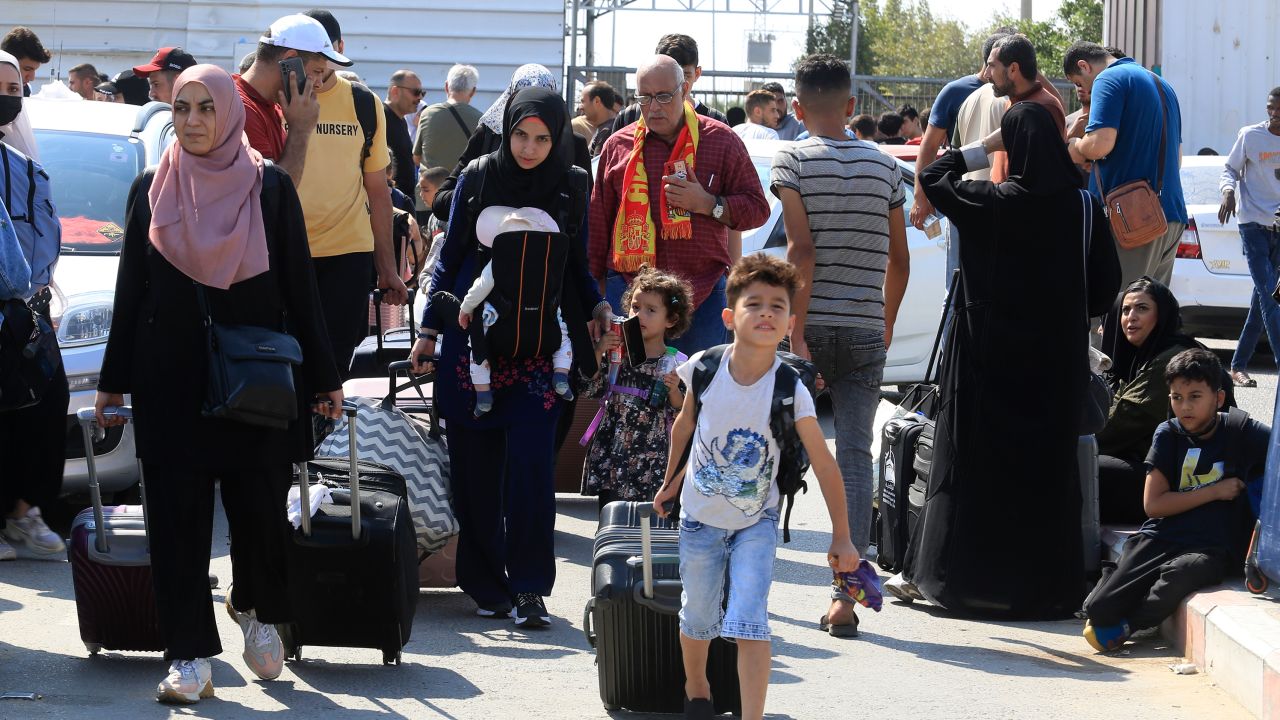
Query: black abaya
(1001, 533)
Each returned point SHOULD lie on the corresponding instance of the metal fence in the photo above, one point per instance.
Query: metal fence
(723, 90)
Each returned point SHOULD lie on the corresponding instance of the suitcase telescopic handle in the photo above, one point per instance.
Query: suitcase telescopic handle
(349, 409)
(88, 420)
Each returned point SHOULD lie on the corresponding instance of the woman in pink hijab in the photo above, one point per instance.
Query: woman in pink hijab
(213, 213)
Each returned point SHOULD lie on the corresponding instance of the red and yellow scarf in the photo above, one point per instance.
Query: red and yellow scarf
(634, 236)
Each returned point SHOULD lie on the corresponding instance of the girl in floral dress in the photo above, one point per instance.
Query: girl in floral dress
(628, 451)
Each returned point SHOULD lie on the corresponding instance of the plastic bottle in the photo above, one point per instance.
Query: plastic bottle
(658, 394)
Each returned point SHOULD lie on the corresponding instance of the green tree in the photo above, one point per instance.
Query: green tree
(1048, 38)
(833, 35)
(1081, 20)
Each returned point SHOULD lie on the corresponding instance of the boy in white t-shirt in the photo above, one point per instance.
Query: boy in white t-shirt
(729, 509)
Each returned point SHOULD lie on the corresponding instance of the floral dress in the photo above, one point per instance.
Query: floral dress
(628, 454)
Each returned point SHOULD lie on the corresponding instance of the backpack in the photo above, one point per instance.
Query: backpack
(793, 460)
(29, 355)
(528, 268)
(367, 113)
(29, 200)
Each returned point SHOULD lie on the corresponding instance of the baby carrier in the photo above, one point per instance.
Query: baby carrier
(528, 272)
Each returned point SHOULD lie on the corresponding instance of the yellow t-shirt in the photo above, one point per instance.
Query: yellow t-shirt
(334, 202)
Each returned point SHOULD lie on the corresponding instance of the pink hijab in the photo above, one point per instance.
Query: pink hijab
(206, 216)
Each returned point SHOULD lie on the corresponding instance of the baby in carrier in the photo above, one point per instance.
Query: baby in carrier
(492, 222)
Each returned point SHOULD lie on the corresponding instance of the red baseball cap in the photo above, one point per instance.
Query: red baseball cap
(167, 58)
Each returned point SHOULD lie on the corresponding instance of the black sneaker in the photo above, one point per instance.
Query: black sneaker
(494, 610)
(530, 611)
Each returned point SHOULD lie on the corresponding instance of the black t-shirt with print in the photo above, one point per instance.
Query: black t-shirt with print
(1192, 465)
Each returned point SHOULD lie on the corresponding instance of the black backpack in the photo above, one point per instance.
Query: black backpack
(29, 355)
(367, 114)
(528, 268)
(793, 458)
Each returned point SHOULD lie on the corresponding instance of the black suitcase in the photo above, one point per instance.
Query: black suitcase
(372, 356)
(898, 486)
(353, 568)
(631, 618)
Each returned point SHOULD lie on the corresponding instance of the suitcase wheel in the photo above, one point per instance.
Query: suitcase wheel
(391, 657)
(1254, 580)
(93, 648)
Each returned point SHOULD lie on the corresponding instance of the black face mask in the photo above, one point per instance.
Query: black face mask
(10, 106)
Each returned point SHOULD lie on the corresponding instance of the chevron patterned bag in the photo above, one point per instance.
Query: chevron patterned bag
(389, 436)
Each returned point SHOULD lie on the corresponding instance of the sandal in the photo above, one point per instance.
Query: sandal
(840, 630)
(1242, 379)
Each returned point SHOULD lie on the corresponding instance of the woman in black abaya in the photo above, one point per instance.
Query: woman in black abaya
(1001, 533)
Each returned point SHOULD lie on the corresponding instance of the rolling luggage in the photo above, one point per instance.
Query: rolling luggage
(902, 491)
(631, 617)
(353, 568)
(372, 356)
(111, 566)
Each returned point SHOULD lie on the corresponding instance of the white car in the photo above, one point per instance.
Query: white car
(921, 310)
(1210, 276)
(92, 152)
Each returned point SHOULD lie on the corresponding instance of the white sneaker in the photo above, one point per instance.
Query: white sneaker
(31, 532)
(263, 650)
(189, 681)
(6, 550)
(901, 589)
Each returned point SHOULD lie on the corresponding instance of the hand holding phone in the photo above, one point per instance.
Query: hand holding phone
(633, 338)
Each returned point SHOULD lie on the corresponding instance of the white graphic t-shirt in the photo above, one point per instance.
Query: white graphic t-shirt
(734, 459)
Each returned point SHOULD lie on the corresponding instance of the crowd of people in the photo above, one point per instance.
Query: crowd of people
(307, 181)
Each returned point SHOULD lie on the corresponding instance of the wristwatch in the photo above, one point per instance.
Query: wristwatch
(718, 211)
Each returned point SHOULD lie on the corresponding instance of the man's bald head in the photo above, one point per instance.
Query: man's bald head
(662, 78)
(662, 67)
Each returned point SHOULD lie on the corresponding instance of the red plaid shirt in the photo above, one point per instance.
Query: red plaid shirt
(723, 167)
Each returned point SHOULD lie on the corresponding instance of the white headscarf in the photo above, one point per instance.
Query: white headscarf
(17, 134)
(531, 75)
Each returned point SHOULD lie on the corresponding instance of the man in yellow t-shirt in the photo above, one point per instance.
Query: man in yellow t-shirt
(347, 207)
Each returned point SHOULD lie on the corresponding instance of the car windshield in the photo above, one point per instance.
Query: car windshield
(90, 175)
(1200, 184)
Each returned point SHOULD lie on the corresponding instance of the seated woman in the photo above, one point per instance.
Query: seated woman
(1148, 336)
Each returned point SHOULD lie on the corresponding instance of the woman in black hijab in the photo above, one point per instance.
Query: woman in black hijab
(1004, 482)
(502, 463)
(1145, 337)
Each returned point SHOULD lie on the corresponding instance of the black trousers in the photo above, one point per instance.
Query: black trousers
(1120, 488)
(1153, 576)
(33, 445)
(504, 499)
(180, 514)
(343, 281)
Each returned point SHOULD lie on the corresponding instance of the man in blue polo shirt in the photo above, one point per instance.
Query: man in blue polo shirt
(1123, 135)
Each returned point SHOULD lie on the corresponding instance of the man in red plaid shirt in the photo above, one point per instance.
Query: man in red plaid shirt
(690, 181)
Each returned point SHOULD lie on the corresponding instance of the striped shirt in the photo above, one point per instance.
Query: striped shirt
(848, 188)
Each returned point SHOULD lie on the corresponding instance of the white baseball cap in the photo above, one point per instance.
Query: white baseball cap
(305, 34)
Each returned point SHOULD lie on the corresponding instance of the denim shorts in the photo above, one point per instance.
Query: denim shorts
(705, 553)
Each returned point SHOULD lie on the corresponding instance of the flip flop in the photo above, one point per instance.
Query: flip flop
(840, 630)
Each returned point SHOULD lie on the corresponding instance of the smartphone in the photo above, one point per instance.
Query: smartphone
(634, 340)
(293, 65)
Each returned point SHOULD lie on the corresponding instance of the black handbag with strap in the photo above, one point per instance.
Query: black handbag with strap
(250, 376)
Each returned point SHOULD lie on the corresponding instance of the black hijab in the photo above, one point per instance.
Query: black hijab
(1039, 163)
(1127, 359)
(538, 186)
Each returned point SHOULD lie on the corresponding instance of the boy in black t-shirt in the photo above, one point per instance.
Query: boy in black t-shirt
(1194, 473)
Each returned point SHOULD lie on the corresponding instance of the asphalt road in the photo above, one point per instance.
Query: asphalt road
(910, 661)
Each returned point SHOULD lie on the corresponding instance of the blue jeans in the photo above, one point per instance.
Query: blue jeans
(851, 361)
(953, 264)
(707, 329)
(705, 552)
(1262, 252)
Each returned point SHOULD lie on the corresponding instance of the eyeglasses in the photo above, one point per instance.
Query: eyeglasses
(417, 92)
(662, 98)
